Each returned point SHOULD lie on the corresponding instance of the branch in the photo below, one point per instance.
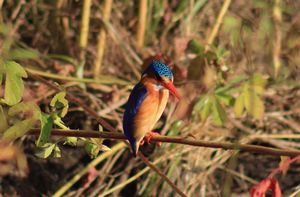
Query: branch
(176, 140)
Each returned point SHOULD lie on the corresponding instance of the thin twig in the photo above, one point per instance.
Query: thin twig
(160, 173)
(217, 25)
(176, 140)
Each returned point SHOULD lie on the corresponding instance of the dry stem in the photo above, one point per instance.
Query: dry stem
(277, 17)
(217, 25)
(140, 35)
(85, 21)
(102, 38)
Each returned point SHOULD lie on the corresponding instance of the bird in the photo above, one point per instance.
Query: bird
(147, 102)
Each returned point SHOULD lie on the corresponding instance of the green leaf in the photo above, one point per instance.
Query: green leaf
(17, 130)
(63, 58)
(219, 115)
(227, 99)
(72, 141)
(57, 152)
(14, 86)
(30, 108)
(258, 83)
(92, 149)
(80, 73)
(258, 108)
(206, 110)
(253, 103)
(231, 84)
(196, 47)
(199, 104)
(239, 106)
(94, 146)
(19, 54)
(46, 127)
(46, 150)
(248, 94)
(60, 103)
(2, 70)
(21, 127)
(3, 120)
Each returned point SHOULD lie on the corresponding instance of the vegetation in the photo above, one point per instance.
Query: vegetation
(67, 68)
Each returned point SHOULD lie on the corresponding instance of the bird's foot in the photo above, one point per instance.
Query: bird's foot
(142, 142)
(150, 135)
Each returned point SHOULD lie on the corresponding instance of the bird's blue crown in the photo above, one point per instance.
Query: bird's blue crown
(159, 69)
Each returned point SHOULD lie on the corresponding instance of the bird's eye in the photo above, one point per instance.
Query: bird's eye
(144, 75)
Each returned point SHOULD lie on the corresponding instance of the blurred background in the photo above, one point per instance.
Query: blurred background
(236, 64)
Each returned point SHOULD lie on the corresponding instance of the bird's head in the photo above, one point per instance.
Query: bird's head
(162, 74)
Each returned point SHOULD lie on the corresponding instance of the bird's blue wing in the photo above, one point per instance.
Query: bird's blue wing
(137, 96)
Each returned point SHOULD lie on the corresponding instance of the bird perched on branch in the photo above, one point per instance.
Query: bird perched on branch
(147, 102)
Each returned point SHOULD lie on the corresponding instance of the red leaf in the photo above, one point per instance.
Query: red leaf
(270, 183)
(261, 188)
(276, 189)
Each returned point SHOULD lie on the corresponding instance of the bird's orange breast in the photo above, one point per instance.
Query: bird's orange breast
(150, 111)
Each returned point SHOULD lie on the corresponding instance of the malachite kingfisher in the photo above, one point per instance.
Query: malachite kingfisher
(147, 102)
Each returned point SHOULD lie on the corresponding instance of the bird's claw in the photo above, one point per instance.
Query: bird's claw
(150, 135)
(142, 142)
